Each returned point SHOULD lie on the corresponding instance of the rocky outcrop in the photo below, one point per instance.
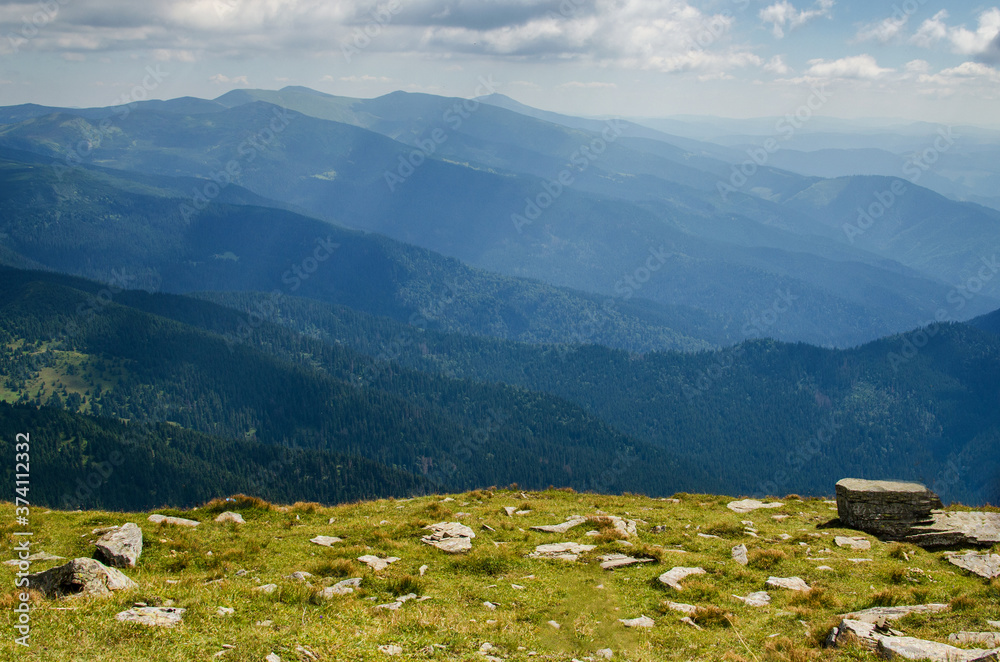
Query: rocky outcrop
(563, 551)
(879, 614)
(909, 512)
(87, 577)
(121, 548)
(984, 565)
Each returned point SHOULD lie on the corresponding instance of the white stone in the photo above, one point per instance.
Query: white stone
(790, 583)
(749, 505)
(673, 576)
(641, 622)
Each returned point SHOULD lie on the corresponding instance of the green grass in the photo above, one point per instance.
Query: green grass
(586, 601)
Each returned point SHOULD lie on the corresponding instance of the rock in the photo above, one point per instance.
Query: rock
(790, 583)
(564, 551)
(230, 516)
(390, 649)
(687, 610)
(166, 617)
(561, 528)
(121, 548)
(375, 563)
(987, 639)
(299, 575)
(884, 508)
(554, 625)
(272, 657)
(910, 648)
(749, 505)
(856, 542)
(510, 510)
(450, 537)
(856, 633)
(35, 558)
(424, 569)
(344, 587)
(604, 653)
(740, 554)
(878, 614)
(758, 599)
(612, 561)
(266, 589)
(687, 620)
(909, 512)
(174, 521)
(673, 576)
(641, 622)
(984, 565)
(993, 624)
(326, 541)
(225, 611)
(489, 605)
(87, 577)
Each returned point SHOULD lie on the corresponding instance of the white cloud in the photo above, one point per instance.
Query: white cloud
(222, 79)
(361, 79)
(776, 65)
(966, 73)
(859, 67)
(593, 85)
(883, 31)
(931, 31)
(983, 43)
(783, 15)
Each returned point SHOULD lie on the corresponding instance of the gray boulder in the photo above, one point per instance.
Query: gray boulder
(87, 577)
(166, 617)
(121, 548)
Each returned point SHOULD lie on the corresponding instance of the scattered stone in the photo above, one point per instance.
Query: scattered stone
(749, 505)
(554, 625)
(564, 551)
(391, 649)
(740, 554)
(377, 564)
(708, 535)
(878, 614)
(522, 512)
(175, 521)
(673, 577)
(641, 622)
(612, 561)
(35, 558)
(272, 657)
(910, 648)
(856, 542)
(758, 599)
(993, 624)
(790, 583)
(824, 568)
(986, 639)
(424, 569)
(166, 617)
(561, 528)
(344, 587)
(687, 610)
(984, 565)
(510, 510)
(299, 575)
(225, 611)
(688, 621)
(857, 633)
(326, 541)
(230, 516)
(604, 653)
(450, 537)
(266, 589)
(489, 605)
(87, 577)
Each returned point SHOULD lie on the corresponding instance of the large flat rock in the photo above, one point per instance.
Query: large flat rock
(984, 565)
(87, 577)
(121, 548)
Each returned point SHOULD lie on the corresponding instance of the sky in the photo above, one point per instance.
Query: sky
(925, 60)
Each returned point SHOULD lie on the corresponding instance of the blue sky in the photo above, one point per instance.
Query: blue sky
(932, 60)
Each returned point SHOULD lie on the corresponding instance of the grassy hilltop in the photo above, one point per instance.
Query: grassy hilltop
(199, 569)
